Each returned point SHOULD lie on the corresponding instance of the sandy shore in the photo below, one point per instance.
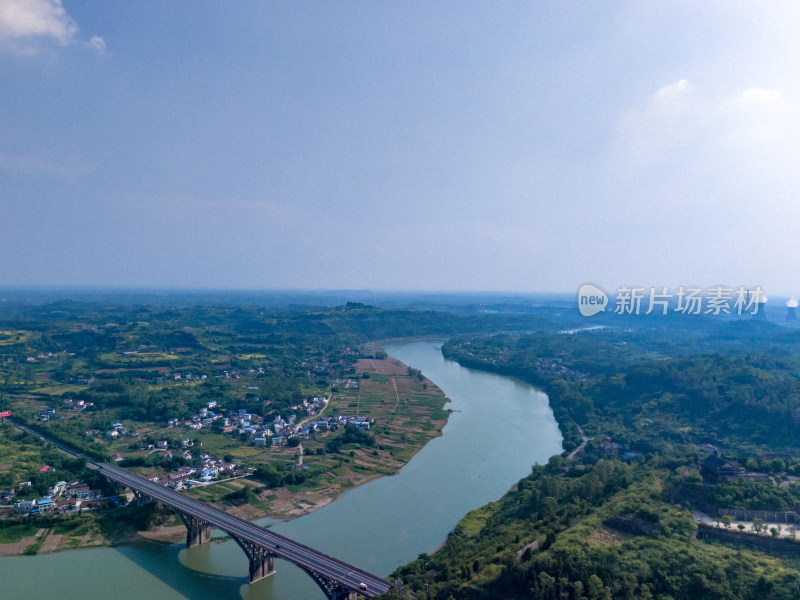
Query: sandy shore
(20, 546)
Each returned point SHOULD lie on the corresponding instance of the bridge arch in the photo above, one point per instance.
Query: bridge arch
(337, 579)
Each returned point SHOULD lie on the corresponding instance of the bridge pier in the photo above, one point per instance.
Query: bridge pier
(332, 589)
(261, 567)
(197, 530)
(141, 498)
(262, 561)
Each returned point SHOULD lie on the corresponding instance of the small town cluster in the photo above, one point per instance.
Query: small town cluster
(282, 430)
(205, 470)
(64, 498)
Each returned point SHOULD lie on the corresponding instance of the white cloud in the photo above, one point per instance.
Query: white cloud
(26, 24)
(97, 44)
(35, 18)
(675, 90)
(681, 123)
(760, 96)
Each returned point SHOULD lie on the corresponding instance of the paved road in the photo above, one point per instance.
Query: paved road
(347, 575)
(586, 439)
(303, 556)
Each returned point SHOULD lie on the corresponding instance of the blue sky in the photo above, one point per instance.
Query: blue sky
(509, 146)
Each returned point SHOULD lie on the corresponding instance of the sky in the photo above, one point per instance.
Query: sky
(455, 146)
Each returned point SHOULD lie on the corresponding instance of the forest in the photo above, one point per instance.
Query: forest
(615, 520)
(641, 406)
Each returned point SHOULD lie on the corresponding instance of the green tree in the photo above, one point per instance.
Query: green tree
(595, 590)
(758, 524)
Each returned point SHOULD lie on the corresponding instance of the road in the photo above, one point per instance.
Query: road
(283, 547)
(586, 439)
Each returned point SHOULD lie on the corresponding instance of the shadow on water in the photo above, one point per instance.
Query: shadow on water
(193, 573)
(216, 570)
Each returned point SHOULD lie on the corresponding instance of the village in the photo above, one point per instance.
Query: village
(194, 468)
(62, 498)
(252, 428)
(230, 440)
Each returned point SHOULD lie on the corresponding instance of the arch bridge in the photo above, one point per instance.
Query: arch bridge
(338, 580)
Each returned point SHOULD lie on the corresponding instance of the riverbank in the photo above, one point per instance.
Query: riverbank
(406, 409)
(378, 527)
(84, 532)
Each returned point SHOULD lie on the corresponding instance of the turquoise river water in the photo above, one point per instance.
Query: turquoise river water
(498, 429)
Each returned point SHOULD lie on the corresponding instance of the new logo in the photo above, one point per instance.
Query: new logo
(591, 300)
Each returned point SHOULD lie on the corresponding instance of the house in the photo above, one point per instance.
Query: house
(167, 455)
(24, 506)
(6, 495)
(117, 457)
(67, 506)
(609, 446)
(177, 479)
(162, 445)
(45, 469)
(783, 457)
(83, 492)
(112, 433)
(719, 466)
(72, 488)
(208, 474)
(757, 477)
(46, 505)
(57, 489)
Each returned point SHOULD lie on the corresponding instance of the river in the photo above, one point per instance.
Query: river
(498, 429)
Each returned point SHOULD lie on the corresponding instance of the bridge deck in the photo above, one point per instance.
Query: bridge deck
(344, 574)
(283, 547)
